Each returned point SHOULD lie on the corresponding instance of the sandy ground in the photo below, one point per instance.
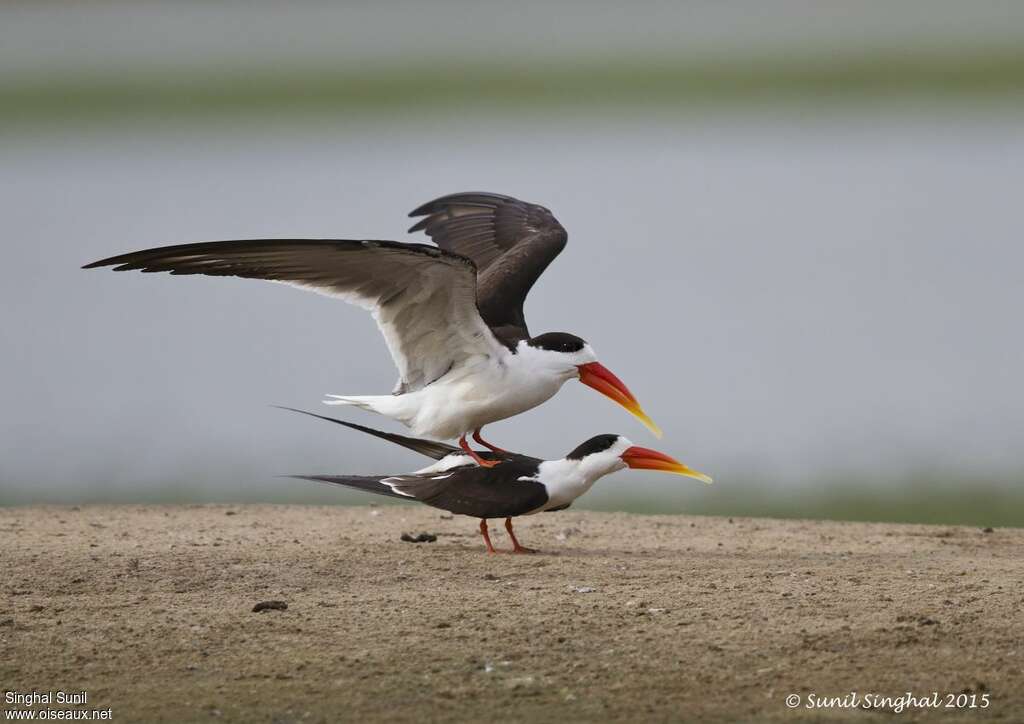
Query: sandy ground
(622, 617)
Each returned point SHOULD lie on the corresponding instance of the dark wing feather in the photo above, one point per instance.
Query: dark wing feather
(368, 483)
(431, 449)
(423, 298)
(494, 492)
(510, 241)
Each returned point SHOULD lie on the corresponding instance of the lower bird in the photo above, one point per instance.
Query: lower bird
(513, 485)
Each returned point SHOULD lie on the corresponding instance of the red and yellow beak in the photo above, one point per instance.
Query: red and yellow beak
(599, 377)
(646, 459)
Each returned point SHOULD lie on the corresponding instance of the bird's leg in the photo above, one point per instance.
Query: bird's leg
(481, 441)
(516, 548)
(473, 454)
(486, 535)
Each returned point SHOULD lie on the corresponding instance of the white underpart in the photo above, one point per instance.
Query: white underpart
(477, 391)
(431, 327)
(454, 460)
(567, 479)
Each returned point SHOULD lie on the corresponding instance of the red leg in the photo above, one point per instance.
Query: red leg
(481, 441)
(486, 535)
(472, 453)
(516, 548)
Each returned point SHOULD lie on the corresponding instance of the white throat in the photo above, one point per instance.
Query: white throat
(568, 479)
(557, 365)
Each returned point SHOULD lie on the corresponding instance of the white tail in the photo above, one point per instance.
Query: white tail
(392, 406)
(363, 402)
(401, 408)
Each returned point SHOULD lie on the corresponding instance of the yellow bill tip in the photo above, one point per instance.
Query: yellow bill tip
(706, 479)
(648, 422)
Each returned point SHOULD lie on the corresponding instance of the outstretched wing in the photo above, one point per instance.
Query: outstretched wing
(510, 241)
(423, 298)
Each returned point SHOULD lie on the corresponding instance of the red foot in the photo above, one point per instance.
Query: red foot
(489, 446)
(516, 548)
(473, 454)
(486, 535)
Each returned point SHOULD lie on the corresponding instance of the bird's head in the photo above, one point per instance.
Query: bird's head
(568, 356)
(605, 454)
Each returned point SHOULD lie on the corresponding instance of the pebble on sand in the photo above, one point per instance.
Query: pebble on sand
(421, 538)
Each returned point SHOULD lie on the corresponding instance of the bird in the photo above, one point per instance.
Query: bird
(515, 485)
(451, 314)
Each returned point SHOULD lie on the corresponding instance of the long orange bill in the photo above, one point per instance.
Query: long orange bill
(600, 378)
(646, 459)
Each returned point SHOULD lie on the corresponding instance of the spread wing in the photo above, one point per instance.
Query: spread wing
(510, 241)
(423, 298)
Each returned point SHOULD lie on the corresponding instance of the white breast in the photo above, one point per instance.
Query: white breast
(481, 391)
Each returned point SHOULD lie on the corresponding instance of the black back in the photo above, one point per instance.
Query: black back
(496, 492)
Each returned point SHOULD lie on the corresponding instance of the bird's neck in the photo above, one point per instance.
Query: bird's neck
(540, 364)
(568, 479)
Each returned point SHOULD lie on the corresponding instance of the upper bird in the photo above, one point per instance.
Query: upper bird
(451, 315)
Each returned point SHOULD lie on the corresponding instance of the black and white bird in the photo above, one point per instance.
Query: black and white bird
(514, 485)
(451, 314)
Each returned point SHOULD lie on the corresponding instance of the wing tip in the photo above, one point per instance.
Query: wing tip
(111, 261)
(459, 197)
(419, 225)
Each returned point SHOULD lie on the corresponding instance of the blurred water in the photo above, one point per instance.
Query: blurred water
(789, 296)
(103, 38)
